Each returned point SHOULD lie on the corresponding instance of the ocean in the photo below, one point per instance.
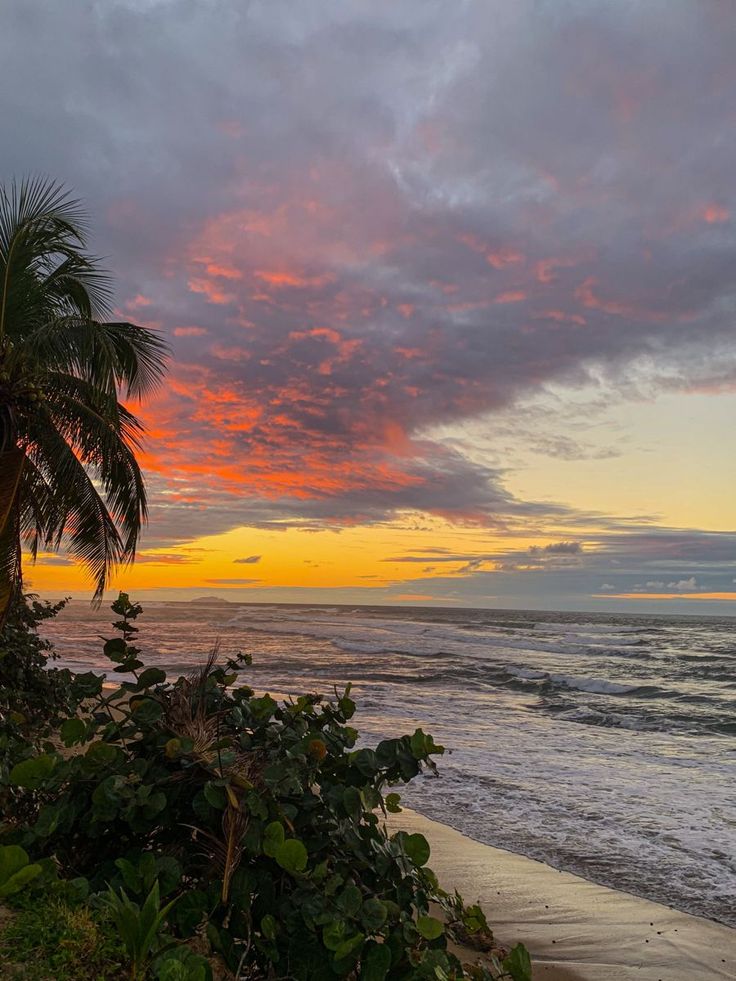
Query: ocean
(602, 745)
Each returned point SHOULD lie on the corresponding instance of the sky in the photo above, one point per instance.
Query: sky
(450, 287)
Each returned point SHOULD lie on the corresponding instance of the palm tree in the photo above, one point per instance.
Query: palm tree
(68, 470)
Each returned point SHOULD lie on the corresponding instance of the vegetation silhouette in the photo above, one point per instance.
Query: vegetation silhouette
(68, 468)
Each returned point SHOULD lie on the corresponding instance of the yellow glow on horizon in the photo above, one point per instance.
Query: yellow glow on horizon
(357, 556)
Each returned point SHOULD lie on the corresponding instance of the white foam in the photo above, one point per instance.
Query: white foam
(597, 686)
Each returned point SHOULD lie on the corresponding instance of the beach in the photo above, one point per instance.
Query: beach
(575, 930)
(598, 745)
(480, 672)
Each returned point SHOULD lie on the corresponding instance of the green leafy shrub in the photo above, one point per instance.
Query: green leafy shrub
(34, 696)
(16, 871)
(262, 820)
(31, 692)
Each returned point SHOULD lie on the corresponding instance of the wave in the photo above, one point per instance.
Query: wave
(596, 686)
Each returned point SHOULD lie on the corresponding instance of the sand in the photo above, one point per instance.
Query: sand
(575, 930)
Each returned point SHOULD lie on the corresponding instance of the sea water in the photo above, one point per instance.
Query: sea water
(603, 745)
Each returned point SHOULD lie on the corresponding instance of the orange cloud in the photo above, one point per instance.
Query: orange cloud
(498, 258)
(545, 268)
(279, 278)
(715, 214)
(511, 296)
(504, 258)
(214, 294)
(138, 302)
(586, 294)
(563, 318)
(224, 272)
(190, 331)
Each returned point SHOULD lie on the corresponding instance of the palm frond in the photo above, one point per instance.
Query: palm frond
(140, 357)
(36, 506)
(41, 226)
(69, 370)
(111, 356)
(78, 512)
(104, 437)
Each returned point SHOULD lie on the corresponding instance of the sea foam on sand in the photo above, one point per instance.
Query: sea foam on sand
(575, 930)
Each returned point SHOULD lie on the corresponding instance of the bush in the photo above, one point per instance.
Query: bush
(261, 823)
(33, 696)
(31, 693)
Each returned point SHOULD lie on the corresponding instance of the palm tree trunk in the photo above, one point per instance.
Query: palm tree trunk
(11, 470)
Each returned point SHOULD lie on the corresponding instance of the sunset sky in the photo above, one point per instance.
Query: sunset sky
(450, 288)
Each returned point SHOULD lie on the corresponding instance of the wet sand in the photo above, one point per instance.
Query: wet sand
(575, 930)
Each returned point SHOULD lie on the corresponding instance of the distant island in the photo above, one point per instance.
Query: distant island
(210, 601)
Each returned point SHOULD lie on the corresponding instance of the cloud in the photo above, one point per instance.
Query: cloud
(165, 558)
(57, 560)
(232, 582)
(249, 560)
(558, 548)
(355, 233)
(684, 585)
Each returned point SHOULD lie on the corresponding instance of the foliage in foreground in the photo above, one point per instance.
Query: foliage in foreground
(34, 697)
(196, 809)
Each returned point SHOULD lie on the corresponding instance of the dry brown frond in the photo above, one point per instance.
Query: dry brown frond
(185, 709)
(224, 854)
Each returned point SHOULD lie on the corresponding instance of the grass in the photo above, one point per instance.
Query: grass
(47, 940)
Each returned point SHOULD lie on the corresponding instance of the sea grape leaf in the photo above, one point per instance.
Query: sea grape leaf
(373, 914)
(146, 710)
(350, 900)
(32, 773)
(417, 848)
(12, 859)
(518, 964)
(21, 878)
(151, 676)
(430, 927)
(292, 855)
(72, 731)
(334, 934)
(392, 803)
(273, 838)
(100, 754)
(115, 648)
(352, 802)
(376, 961)
(349, 946)
(15, 871)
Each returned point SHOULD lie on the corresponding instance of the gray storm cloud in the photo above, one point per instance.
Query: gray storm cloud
(360, 221)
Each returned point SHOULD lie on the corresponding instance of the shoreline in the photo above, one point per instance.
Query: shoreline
(574, 929)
